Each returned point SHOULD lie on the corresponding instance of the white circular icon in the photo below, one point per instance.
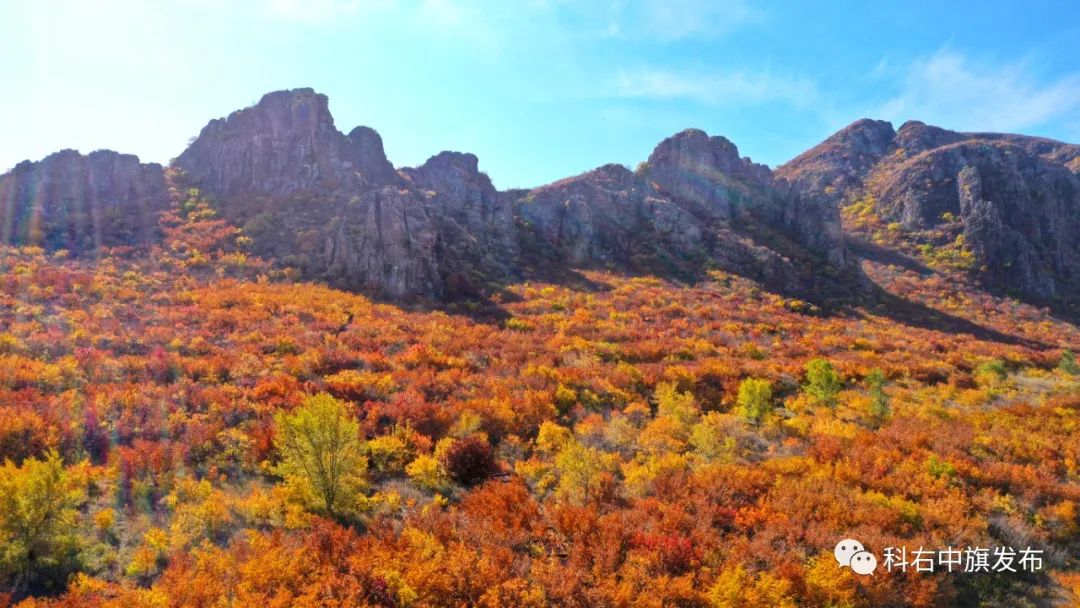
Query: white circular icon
(863, 562)
(845, 549)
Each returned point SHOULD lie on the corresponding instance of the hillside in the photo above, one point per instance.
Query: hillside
(1003, 208)
(283, 372)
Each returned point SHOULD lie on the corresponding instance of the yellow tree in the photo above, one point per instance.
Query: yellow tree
(322, 455)
(38, 523)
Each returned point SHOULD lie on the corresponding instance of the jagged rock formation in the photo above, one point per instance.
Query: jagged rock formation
(385, 242)
(311, 196)
(1015, 199)
(708, 174)
(334, 206)
(477, 232)
(81, 203)
(607, 217)
(694, 204)
(284, 145)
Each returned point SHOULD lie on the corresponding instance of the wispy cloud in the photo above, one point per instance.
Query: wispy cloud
(464, 22)
(324, 11)
(652, 20)
(952, 90)
(677, 19)
(729, 88)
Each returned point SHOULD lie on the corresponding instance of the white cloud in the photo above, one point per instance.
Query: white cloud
(734, 88)
(955, 92)
(677, 19)
(462, 22)
(652, 20)
(324, 11)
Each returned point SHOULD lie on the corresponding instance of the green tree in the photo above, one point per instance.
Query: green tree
(582, 472)
(992, 373)
(322, 455)
(879, 401)
(38, 524)
(678, 405)
(1068, 363)
(755, 399)
(822, 382)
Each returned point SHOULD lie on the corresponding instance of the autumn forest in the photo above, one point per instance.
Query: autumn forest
(195, 426)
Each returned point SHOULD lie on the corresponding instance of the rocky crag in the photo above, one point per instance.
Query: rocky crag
(332, 205)
(1013, 200)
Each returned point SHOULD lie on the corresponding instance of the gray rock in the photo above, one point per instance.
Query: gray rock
(385, 242)
(82, 203)
(479, 235)
(285, 144)
(707, 176)
(1015, 196)
(1020, 212)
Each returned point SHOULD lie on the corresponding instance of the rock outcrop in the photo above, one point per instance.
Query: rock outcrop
(694, 204)
(385, 242)
(310, 196)
(1020, 213)
(838, 165)
(1015, 199)
(335, 207)
(82, 203)
(478, 235)
(284, 145)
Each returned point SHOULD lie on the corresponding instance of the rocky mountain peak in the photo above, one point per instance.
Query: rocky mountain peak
(693, 151)
(1012, 198)
(841, 161)
(285, 144)
(370, 156)
(457, 167)
(704, 172)
(915, 137)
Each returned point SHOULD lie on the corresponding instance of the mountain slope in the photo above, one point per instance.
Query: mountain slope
(1004, 207)
(1001, 207)
(304, 192)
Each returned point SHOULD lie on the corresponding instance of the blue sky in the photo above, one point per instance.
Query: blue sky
(538, 89)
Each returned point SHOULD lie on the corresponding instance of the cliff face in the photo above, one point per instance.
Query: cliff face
(82, 203)
(285, 144)
(477, 229)
(311, 196)
(334, 206)
(1014, 198)
(694, 204)
(1020, 213)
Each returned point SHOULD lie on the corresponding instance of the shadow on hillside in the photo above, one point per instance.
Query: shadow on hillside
(915, 314)
(488, 306)
(870, 251)
(873, 252)
(853, 294)
(848, 293)
(1059, 311)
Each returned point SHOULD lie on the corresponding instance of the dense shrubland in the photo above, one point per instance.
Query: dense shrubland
(192, 427)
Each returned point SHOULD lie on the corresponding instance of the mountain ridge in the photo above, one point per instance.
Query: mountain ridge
(333, 205)
(1004, 206)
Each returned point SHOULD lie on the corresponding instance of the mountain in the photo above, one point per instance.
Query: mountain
(332, 205)
(1005, 206)
(80, 203)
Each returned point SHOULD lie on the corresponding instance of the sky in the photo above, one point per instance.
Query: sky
(537, 89)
